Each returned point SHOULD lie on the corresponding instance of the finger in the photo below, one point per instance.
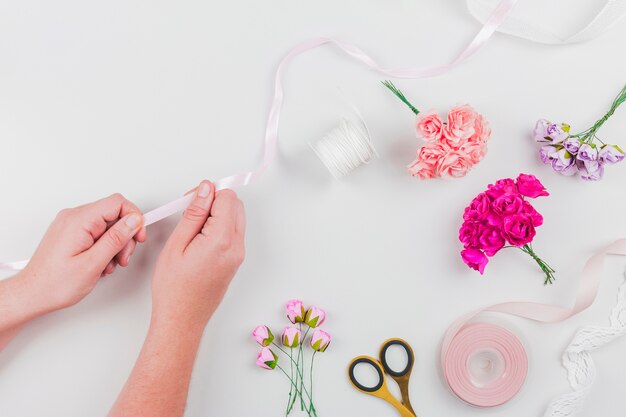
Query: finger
(194, 217)
(123, 258)
(114, 240)
(240, 221)
(108, 270)
(221, 224)
(101, 213)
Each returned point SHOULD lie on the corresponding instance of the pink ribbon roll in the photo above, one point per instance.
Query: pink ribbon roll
(485, 365)
(467, 344)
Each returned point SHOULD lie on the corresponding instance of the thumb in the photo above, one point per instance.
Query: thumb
(114, 240)
(194, 217)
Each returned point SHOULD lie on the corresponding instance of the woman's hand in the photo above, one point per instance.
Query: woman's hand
(81, 245)
(200, 258)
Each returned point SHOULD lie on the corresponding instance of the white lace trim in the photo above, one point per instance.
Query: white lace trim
(577, 360)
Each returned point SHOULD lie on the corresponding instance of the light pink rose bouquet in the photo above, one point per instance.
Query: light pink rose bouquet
(293, 337)
(502, 217)
(451, 147)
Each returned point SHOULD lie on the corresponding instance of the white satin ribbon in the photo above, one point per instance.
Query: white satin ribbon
(607, 17)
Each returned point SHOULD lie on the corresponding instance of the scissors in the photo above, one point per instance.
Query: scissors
(380, 390)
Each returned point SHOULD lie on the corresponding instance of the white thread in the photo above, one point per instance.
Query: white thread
(577, 360)
(345, 148)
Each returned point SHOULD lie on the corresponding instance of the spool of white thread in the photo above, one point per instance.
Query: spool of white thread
(345, 148)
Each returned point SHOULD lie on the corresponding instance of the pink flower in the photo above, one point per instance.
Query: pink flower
(468, 234)
(454, 164)
(429, 126)
(518, 229)
(507, 204)
(482, 131)
(534, 215)
(267, 359)
(460, 126)
(475, 259)
(478, 209)
(431, 153)
(320, 340)
(291, 337)
(314, 316)
(505, 185)
(490, 240)
(530, 186)
(263, 335)
(475, 151)
(421, 170)
(295, 311)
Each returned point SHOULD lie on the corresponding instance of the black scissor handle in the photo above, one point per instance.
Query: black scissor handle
(374, 364)
(409, 354)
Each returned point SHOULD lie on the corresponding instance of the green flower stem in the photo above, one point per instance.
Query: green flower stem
(311, 380)
(589, 135)
(302, 355)
(400, 95)
(298, 392)
(547, 269)
(291, 386)
(299, 375)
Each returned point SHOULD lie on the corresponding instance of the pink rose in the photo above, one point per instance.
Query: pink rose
(429, 126)
(314, 316)
(518, 229)
(267, 359)
(474, 151)
(534, 215)
(420, 170)
(482, 131)
(490, 240)
(507, 204)
(431, 153)
(468, 234)
(460, 125)
(478, 209)
(263, 335)
(530, 186)
(505, 185)
(295, 311)
(320, 340)
(291, 337)
(455, 164)
(475, 259)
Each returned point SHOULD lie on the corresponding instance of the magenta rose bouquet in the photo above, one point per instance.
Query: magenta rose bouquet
(502, 217)
(583, 154)
(451, 147)
(294, 337)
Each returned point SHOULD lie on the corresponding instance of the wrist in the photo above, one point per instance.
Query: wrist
(20, 301)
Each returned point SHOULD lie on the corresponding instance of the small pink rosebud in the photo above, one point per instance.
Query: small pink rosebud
(291, 337)
(263, 335)
(320, 340)
(295, 311)
(267, 359)
(314, 316)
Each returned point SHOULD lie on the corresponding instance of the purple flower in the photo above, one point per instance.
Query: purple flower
(590, 170)
(587, 152)
(548, 153)
(572, 145)
(610, 154)
(546, 131)
(565, 163)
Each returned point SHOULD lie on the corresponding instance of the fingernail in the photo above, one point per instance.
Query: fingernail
(133, 220)
(204, 190)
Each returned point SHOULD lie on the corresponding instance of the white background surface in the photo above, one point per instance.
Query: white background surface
(146, 98)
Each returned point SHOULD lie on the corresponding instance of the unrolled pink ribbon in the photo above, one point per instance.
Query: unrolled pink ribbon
(271, 131)
(545, 313)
